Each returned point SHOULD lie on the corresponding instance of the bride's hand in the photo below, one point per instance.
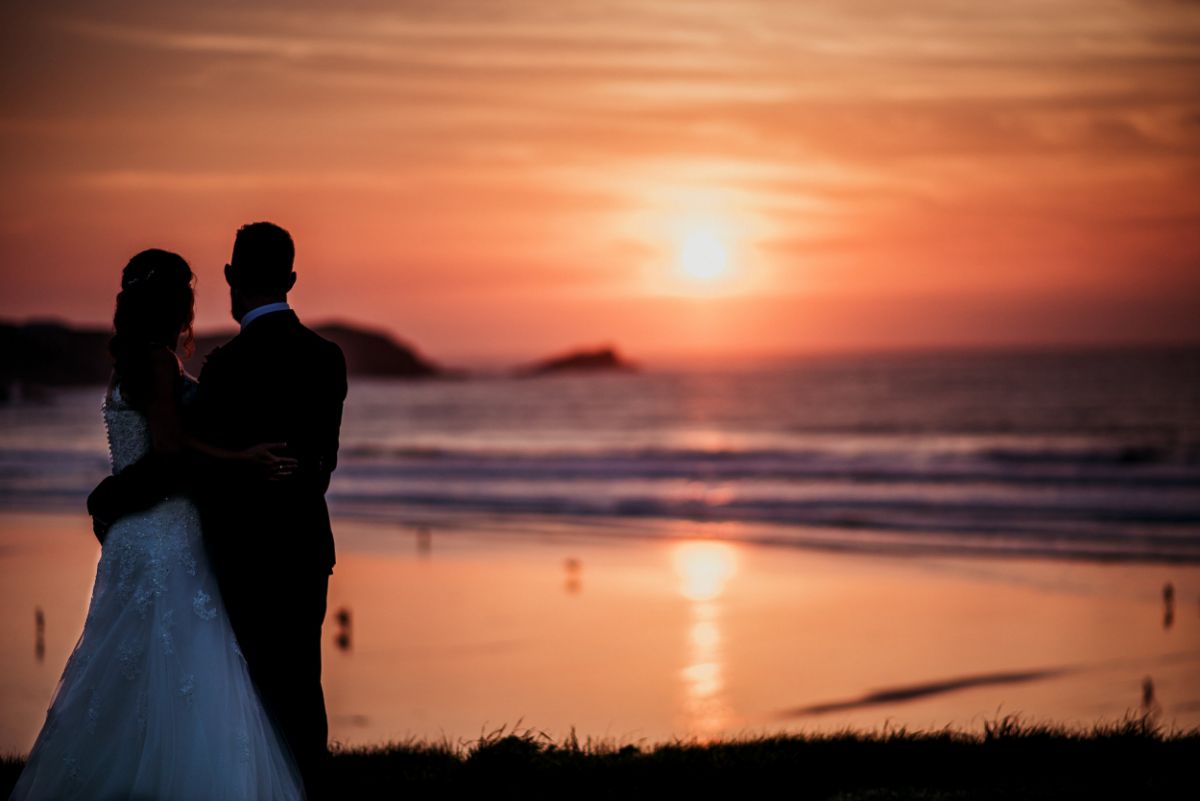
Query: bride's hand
(268, 464)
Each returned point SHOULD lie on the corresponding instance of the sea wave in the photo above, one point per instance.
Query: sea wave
(1034, 501)
(1118, 465)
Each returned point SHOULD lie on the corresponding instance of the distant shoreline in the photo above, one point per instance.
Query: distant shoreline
(504, 360)
(47, 354)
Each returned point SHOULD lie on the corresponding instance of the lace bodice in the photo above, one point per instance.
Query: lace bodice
(128, 429)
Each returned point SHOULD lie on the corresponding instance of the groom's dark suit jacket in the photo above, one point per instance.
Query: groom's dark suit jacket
(277, 381)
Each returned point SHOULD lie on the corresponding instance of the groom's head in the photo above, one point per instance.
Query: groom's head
(260, 271)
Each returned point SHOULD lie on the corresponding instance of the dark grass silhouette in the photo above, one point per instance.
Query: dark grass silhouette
(1131, 758)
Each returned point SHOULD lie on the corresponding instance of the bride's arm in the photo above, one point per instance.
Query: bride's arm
(263, 458)
(170, 440)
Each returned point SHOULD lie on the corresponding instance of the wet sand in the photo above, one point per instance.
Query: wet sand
(457, 631)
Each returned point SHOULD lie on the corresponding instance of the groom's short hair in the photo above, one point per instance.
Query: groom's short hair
(263, 254)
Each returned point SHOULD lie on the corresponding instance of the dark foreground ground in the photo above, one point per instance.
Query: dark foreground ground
(1132, 759)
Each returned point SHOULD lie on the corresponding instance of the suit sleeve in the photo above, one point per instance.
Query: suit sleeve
(139, 486)
(330, 418)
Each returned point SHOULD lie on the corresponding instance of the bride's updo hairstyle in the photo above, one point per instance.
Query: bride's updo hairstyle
(156, 305)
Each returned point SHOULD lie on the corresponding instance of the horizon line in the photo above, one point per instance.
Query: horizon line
(763, 354)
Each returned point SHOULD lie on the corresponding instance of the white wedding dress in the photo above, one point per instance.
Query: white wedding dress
(155, 701)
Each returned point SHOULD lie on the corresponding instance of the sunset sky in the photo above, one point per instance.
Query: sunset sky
(672, 176)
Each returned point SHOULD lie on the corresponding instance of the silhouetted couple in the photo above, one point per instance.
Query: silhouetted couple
(198, 672)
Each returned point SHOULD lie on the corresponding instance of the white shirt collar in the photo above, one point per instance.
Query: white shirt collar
(259, 311)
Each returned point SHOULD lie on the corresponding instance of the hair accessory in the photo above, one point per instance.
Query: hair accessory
(139, 278)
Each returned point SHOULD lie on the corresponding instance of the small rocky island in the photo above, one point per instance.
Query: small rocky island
(598, 360)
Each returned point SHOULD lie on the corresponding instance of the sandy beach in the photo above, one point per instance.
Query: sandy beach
(457, 630)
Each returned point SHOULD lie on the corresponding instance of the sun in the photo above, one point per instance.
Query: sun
(702, 254)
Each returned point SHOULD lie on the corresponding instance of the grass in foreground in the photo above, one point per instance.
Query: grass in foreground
(1132, 758)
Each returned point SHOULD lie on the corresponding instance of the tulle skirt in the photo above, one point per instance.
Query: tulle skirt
(156, 701)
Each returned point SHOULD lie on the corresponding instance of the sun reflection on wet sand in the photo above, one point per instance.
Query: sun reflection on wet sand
(704, 568)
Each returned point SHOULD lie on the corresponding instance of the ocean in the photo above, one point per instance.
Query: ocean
(1085, 453)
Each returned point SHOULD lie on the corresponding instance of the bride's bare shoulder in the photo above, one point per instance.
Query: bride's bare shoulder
(165, 360)
(157, 379)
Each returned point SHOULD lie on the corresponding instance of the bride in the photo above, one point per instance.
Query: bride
(155, 701)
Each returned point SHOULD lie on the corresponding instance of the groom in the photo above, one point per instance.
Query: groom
(270, 542)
